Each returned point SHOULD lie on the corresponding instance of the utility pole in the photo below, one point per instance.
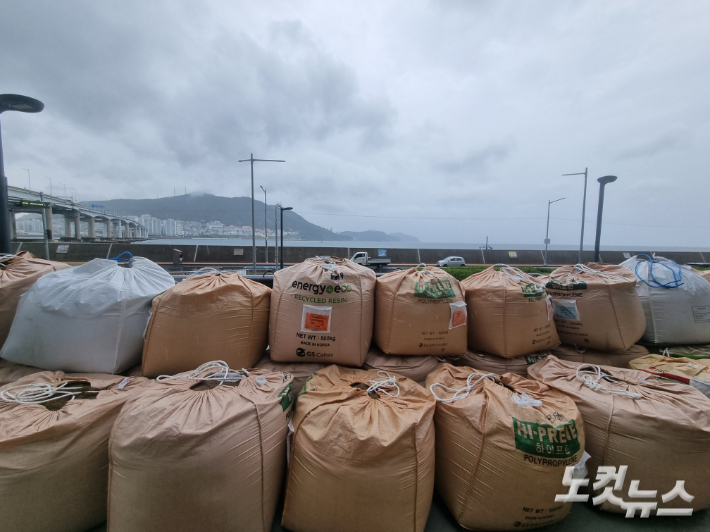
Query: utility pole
(253, 231)
(266, 234)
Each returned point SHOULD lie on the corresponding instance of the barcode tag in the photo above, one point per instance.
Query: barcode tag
(316, 319)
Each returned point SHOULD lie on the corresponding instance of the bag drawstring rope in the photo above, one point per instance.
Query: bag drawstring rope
(124, 260)
(677, 275)
(389, 383)
(460, 393)
(40, 392)
(223, 373)
(590, 375)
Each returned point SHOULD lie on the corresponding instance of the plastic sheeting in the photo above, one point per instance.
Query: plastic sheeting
(86, 319)
(675, 299)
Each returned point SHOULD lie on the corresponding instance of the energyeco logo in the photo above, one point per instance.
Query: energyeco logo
(319, 289)
(300, 352)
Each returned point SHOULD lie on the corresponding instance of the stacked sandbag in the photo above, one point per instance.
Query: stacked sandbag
(204, 450)
(617, 359)
(695, 372)
(487, 363)
(412, 367)
(420, 312)
(300, 371)
(360, 460)
(675, 299)
(213, 316)
(686, 351)
(87, 319)
(322, 311)
(596, 306)
(660, 429)
(503, 435)
(509, 313)
(10, 372)
(54, 449)
(17, 274)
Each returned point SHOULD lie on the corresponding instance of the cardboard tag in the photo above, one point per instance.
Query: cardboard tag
(316, 319)
(458, 314)
(566, 309)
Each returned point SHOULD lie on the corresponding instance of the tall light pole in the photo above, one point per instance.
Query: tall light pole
(23, 104)
(602, 183)
(29, 180)
(276, 234)
(282, 233)
(266, 234)
(50, 185)
(253, 232)
(584, 205)
(547, 233)
(65, 190)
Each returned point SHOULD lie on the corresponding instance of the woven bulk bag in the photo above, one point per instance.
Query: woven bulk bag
(659, 429)
(412, 367)
(486, 363)
(300, 371)
(420, 312)
(502, 445)
(207, 317)
(360, 460)
(17, 274)
(695, 372)
(322, 311)
(675, 299)
(617, 359)
(87, 319)
(203, 450)
(509, 313)
(596, 306)
(686, 351)
(54, 454)
(10, 372)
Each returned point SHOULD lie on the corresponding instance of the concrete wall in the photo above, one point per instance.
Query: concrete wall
(85, 251)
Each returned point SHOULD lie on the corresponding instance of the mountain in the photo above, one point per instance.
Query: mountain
(378, 236)
(210, 208)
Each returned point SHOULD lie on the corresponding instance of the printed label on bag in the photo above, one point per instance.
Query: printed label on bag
(554, 284)
(548, 441)
(439, 289)
(566, 309)
(550, 311)
(316, 319)
(701, 314)
(458, 314)
(533, 290)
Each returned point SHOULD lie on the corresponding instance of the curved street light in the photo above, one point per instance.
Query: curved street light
(547, 233)
(22, 104)
(603, 181)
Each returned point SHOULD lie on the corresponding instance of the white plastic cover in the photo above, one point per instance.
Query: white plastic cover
(86, 319)
(675, 299)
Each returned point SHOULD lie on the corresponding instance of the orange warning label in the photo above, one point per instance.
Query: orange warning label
(458, 319)
(316, 322)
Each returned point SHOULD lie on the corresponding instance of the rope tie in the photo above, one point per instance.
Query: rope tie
(525, 400)
(390, 383)
(222, 373)
(590, 375)
(39, 392)
(677, 275)
(461, 393)
(124, 260)
(583, 268)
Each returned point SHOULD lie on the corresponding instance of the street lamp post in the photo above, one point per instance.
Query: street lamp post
(276, 235)
(29, 179)
(584, 205)
(602, 183)
(266, 234)
(282, 233)
(253, 232)
(23, 104)
(50, 185)
(547, 233)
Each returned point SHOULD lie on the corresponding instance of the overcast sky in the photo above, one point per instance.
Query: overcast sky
(455, 118)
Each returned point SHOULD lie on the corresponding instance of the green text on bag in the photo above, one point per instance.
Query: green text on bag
(549, 441)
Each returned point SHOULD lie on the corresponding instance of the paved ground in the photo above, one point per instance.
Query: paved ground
(583, 518)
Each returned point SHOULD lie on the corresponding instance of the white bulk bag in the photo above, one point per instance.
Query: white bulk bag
(675, 299)
(86, 319)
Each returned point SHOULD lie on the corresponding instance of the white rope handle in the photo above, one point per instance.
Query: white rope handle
(40, 392)
(583, 268)
(460, 393)
(590, 375)
(222, 373)
(389, 383)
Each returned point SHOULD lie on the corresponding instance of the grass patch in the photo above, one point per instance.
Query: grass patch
(462, 273)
